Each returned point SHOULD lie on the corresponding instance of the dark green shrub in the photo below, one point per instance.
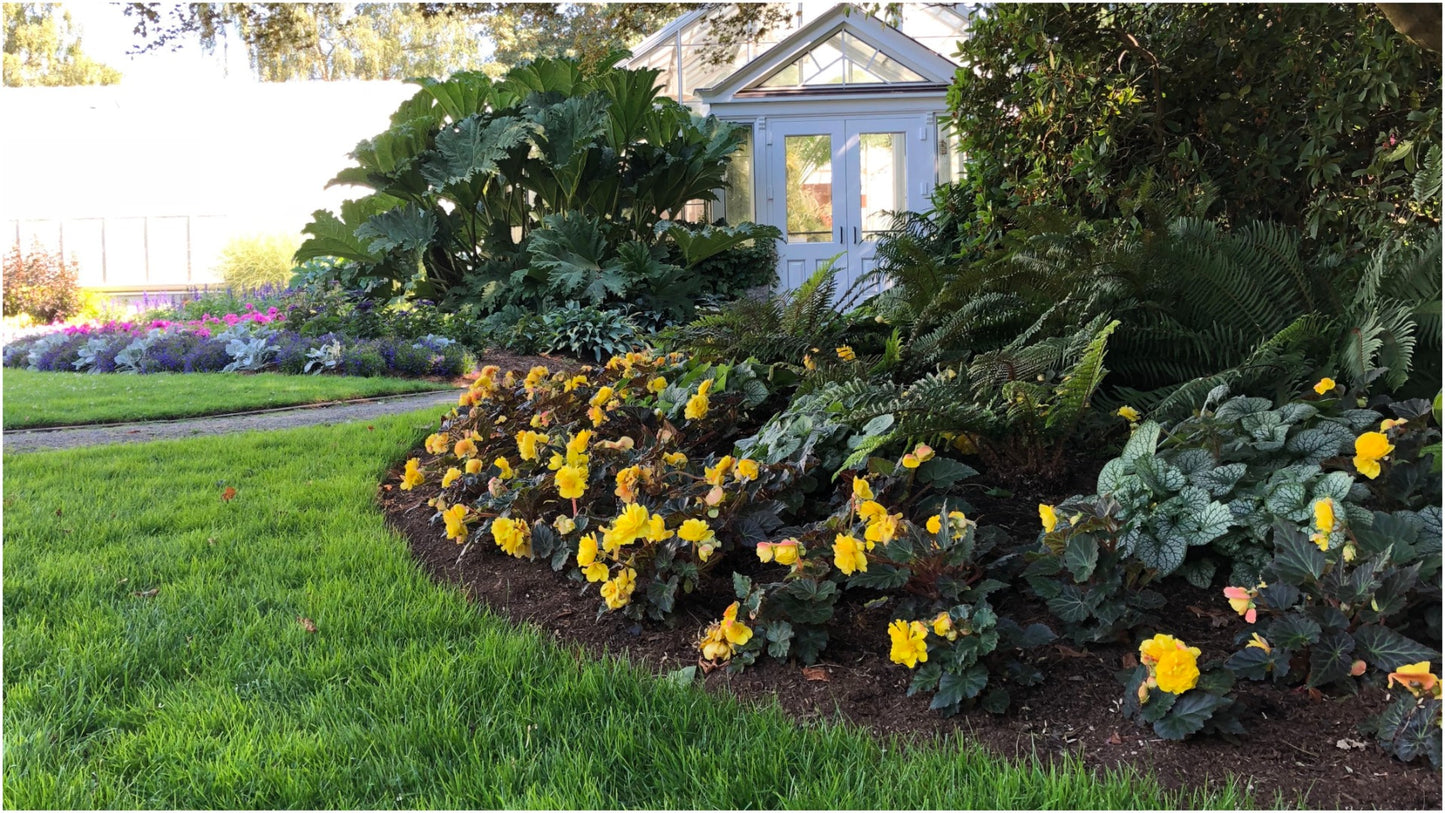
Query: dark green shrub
(41, 284)
(1318, 116)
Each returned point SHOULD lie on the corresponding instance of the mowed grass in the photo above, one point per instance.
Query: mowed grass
(211, 694)
(34, 400)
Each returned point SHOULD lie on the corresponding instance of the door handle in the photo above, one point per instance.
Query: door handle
(840, 235)
(855, 235)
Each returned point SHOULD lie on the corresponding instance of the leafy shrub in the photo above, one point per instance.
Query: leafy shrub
(588, 163)
(41, 284)
(363, 359)
(589, 331)
(1193, 102)
(256, 260)
(169, 353)
(208, 356)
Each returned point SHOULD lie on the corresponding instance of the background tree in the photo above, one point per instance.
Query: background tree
(42, 47)
(1319, 115)
(398, 40)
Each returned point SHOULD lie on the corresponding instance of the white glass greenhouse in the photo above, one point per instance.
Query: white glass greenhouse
(845, 115)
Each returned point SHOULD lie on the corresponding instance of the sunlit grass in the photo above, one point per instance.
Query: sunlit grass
(210, 693)
(59, 399)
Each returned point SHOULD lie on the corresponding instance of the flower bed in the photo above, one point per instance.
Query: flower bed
(234, 342)
(625, 479)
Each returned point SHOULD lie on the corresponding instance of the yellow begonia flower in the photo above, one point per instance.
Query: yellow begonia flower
(511, 535)
(675, 459)
(453, 474)
(587, 550)
(934, 524)
(1324, 385)
(527, 441)
(603, 396)
(657, 529)
(456, 519)
(617, 592)
(436, 444)
(412, 476)
(1390, 423)
(695, 530)
(808, 362)
(1258, 642)
(848, 555)
(861, 489)
(657, 385)
(1178, 670)
(574, 382)
(923, 452)
(746, 470)
(627, 483)
(1373, 444)
(697, 407)
(1415, 678)
(632, 523)
(870, 511)
(564, 524)
(911, 461)
(466, 447)
(714, 474)
(910, 642)
(943, 625)
(1367, 466)
(505, 467)
(733, 630)
(1324, 521)
(577, 448)
(1370, 448)
(765, 551)
(1151, 648)
(557, 461)
(786, 552)
(1128, 413)
(845, 353)
(571, 482)
(474, 466)
(596, 415)
(1049, 517)
(1241, 600)
(883, 529)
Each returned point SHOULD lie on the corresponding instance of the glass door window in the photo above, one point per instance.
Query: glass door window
(833, 186)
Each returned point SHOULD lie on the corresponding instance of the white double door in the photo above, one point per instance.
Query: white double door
(833, 184)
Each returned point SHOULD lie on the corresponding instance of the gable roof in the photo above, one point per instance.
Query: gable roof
(935, 70)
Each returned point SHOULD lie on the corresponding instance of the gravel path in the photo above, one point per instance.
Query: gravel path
(35, 440)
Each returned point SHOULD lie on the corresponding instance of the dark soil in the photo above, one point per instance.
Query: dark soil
(1305, 749)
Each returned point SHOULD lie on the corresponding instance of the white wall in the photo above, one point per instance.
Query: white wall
(230, 157)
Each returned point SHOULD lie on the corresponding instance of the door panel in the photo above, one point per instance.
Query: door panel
(806, 177)
(878, 167)
(833, 185)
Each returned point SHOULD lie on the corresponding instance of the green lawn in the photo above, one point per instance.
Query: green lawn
(59, 399)
(210, 693)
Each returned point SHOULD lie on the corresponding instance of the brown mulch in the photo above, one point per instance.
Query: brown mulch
(1305, 749)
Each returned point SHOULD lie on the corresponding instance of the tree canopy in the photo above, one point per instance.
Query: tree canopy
(1319, 116)
(399, 40)
(42, 47)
